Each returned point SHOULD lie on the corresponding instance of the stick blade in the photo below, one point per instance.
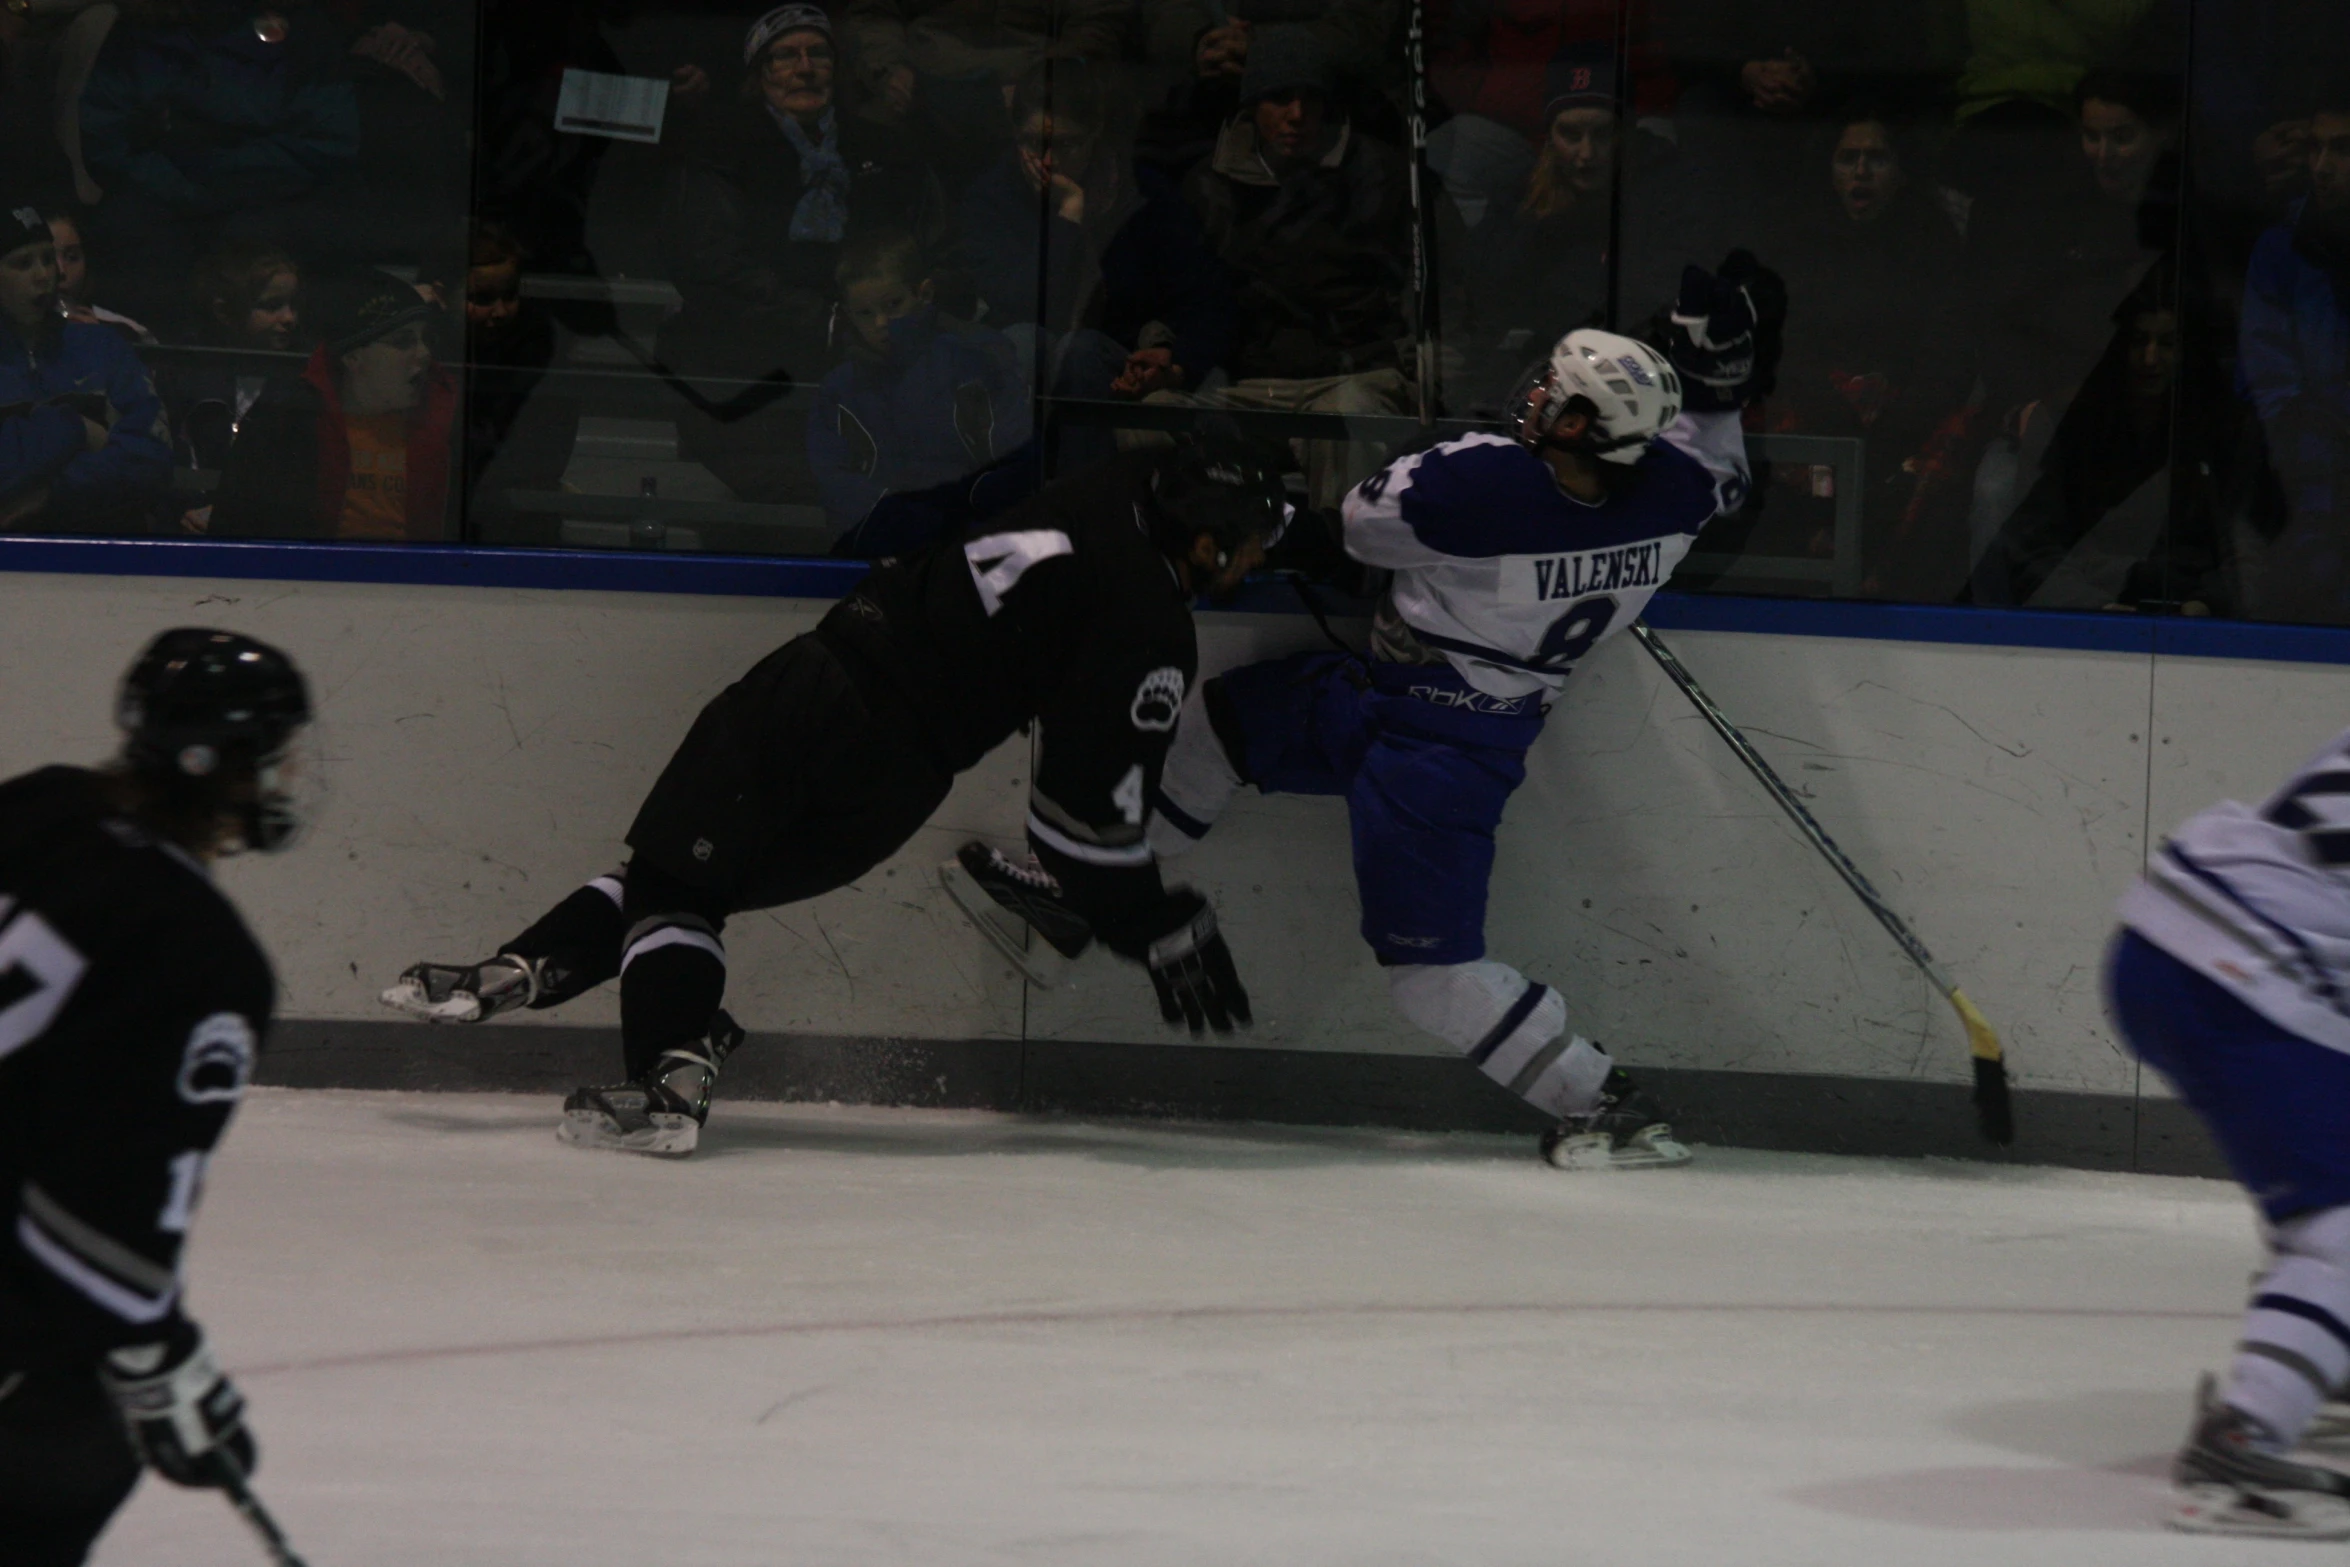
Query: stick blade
(1994, 1110)
(1994, 1107)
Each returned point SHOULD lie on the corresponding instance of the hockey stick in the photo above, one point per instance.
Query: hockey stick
(248, 1506)
(1994, 1112)
(769, 388)
(1424, 366)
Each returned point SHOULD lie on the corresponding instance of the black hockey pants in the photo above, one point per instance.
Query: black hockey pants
(795, 780)
(65, 1467)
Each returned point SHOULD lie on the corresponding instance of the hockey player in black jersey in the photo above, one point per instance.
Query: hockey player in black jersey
(1070, 610)
(132, 1001)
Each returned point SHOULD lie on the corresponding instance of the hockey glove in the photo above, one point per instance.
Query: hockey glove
(1192, 970)
(1724, 331)
(183, 1413)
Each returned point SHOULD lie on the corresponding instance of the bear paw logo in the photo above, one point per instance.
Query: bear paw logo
(219, 1061)
(1160, 699)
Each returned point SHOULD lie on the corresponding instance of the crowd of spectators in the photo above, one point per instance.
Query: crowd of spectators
(2079, 298)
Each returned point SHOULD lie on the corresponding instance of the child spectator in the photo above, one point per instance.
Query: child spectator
(920, 399)
(357, 447)
(518, 432)
(83, 445)
(75, 283)
(243, 298)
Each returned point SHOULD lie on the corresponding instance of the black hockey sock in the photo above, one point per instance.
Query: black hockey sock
(672, 977)
(577, 942)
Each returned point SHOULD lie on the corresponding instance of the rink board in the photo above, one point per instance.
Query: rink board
(487, 744)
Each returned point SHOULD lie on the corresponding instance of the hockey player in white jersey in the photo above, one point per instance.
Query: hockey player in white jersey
(2231, 977)
(1513, 555)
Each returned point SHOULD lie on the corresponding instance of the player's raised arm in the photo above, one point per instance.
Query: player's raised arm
(1723, 336)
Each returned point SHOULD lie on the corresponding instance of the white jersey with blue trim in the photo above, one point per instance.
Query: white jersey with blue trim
(1508, 578)
(2258, 899)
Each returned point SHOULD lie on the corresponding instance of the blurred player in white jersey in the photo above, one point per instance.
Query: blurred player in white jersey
(1512, 556)
(2231, 977)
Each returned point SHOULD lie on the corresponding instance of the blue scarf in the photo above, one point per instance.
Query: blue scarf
(823, 213)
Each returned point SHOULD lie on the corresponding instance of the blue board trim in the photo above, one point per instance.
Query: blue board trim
(762, 576)
(436, 565)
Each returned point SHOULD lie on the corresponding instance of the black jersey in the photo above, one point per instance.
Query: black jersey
(132, 1003)
(1060, 611)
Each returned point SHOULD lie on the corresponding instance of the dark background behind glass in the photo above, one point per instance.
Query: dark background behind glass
(2069, 282)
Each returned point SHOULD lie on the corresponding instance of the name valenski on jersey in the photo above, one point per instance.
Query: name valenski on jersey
(1537, 579)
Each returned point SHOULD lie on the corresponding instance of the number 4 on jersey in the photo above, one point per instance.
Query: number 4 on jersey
(38, 971)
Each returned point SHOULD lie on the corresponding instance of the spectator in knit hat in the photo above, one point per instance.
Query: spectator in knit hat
(757, 215)
(1540, 261)
(358, 446)
(1313, 220)
(83, 444)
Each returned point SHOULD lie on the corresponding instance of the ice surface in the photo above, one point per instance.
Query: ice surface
(909, 1338)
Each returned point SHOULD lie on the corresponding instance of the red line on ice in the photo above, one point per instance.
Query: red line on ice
(1095, 1316)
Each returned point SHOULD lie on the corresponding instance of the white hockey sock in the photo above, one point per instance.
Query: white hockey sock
(1196, 784)
(1511, 1029)
(2296, 1345)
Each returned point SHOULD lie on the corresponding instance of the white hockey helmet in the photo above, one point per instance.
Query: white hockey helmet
(1631, 391)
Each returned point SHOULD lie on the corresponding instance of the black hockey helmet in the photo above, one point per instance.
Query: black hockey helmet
(203, 706)
(1222, 483)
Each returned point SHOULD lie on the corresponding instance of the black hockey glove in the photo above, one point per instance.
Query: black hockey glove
(1723, 333)
(1191, 968)
(183, 1413)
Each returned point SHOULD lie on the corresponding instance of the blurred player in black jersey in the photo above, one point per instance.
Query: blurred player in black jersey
(132, 1002)
(1071, 610)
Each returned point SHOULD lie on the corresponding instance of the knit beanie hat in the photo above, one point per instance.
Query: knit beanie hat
(797, 17)
(1287, 58)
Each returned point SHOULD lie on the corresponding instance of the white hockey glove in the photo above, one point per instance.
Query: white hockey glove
(183, 1413)
(1723, 333)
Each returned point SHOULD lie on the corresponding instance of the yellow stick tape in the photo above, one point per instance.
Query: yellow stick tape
(1981, 1037)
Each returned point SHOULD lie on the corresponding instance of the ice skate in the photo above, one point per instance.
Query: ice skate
(2224, 1484)
(472, 993)
(1007, 899)
(660, 1112)
(2331, 1428)
(1626, 1130)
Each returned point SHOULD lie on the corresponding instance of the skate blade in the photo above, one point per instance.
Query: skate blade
(1650, 1149)
(408, 996)
(1005, 931)
(2291, 1515)
(668, 1137)
(2331, 1428)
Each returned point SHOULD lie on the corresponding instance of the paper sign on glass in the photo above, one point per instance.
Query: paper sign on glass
(626, 108)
